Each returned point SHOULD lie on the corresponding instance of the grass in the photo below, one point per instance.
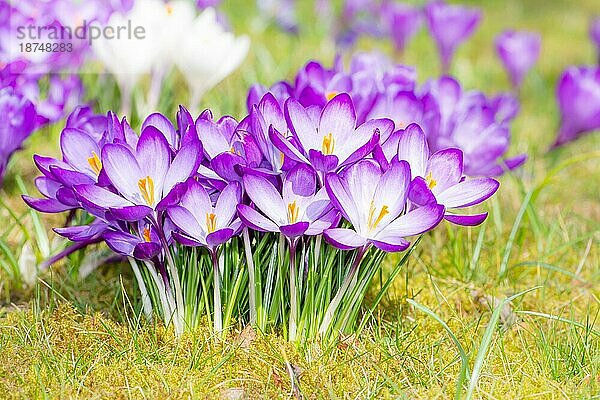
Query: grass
(69, 338)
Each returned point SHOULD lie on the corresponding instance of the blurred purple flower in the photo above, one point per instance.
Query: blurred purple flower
(17, 122)
(402, 22)
(283, 12)
(450, 25)
(578, 96)
(518, 51)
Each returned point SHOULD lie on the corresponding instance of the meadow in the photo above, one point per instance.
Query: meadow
(509, 309)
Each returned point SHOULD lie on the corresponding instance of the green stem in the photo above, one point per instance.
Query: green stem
(218, 322)
(328, 318)
(251, 280)
(293, 292)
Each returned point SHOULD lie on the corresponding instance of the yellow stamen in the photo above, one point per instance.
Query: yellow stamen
(373, 224)
(431, 183)
(146, 186)
(281, 158)
(330, 95)
(328, 144)
(292, 212)
(211, 222)
(147, 235)
(95, 163)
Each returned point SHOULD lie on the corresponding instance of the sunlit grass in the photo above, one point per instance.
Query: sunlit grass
(67, 338)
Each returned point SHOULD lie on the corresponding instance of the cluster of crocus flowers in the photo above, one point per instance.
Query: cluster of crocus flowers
(450, 116)
(287, 190)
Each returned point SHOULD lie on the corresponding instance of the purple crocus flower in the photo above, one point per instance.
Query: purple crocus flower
(373, 202)
(202, 224)
(143, 177)
(450, 25)
(330, 140)
(578, 96)
(402, 21)
(298, 210)
(518, 51)
(438, 178)
(18, 121)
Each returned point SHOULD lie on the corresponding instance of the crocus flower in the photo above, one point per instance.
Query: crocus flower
(201, 223)
(207, 53)
(438, 177)
(518, 51)
(373, 202)
(578, 94)
(402, 21)
(18, 121)
(333, 140)
(450, 25)
(142, 177)
(294, 212)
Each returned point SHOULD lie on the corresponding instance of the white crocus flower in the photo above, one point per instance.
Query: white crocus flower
(208, 53)
(129, 57)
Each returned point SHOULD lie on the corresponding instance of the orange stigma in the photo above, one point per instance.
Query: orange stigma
(211, 222)
(431, 183)
(330, 95)
(146, 186)
(95, 163)
(147, 235)
(293, 212)
(328, 144)
(372, 224)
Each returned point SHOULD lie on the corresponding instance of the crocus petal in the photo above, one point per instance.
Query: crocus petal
(340, 197)
(412, 147)
(264, 195)
(338, 118)
(77, 147)
(466, 220)
(321, 162)
(468, 193)
(219, 237)
(164, 126)
(446, 167)
(285, 146)
(301, 125)
(294, 230)
(227, 202)
(146, 250)
(255, 220)
(186, 241)
(154, 156)
(414, 222)
(183, 166)
(120, 242)
(46, 205)
(122, 169)
(130, 213)
(302, 179)
(391, 244)
(343, 238)
(82, 233)
(392, 189)
(420, 193)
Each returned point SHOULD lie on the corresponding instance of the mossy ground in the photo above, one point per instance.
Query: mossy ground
(66, 338)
